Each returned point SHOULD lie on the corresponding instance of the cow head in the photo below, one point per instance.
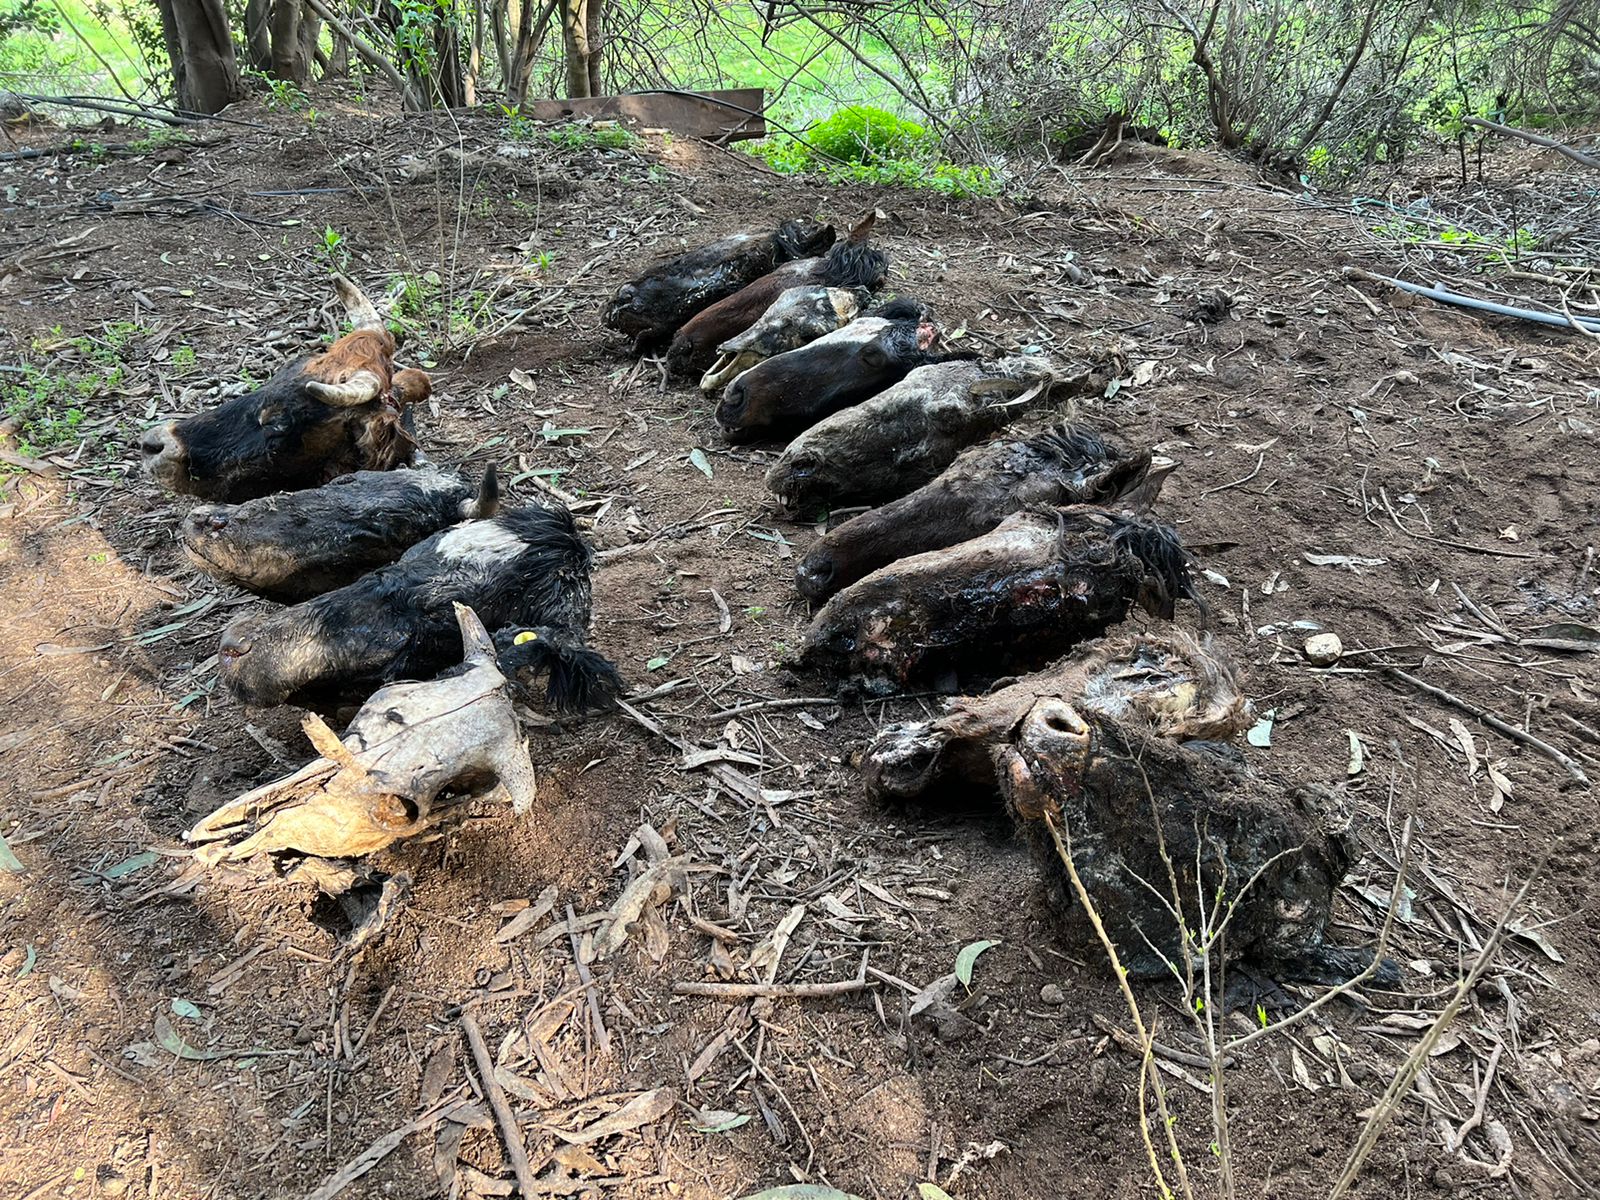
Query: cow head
(795, 390)
(325, 415)
(796, 318)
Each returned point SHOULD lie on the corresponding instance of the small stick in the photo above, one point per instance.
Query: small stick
(527, 1185)
(795, 991)
(1261, 458)
(1494, 722)
(378, 1151)
(584, 974)
(758, 705)
(1133, 1046)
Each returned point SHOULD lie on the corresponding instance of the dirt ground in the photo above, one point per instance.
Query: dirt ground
(175, 1032)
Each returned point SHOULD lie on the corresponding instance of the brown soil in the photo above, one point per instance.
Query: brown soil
(1459, 451)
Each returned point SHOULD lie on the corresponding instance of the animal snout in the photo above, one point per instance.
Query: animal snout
(235, 645)
(734, 401)
(160, 447)
(1055, 732)
(814, 575)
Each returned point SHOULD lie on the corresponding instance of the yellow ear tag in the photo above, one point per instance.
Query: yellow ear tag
(526, 636)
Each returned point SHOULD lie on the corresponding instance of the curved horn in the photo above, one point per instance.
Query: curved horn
(363, 314)
(361, 388)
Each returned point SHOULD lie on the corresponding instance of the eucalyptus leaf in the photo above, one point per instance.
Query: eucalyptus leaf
(1260, 734)
(715, 1121)
(185, 1008)
(801, 1191)
(698, 457)
(128, 866)
(968, 957)
(932, 1191)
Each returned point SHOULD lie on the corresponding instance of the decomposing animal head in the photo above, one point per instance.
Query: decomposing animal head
(1121, 747)
(1029, 589)
(345, 409)
(411, 746)
(791, 391)
(650, 307)
(904, 436)
(798, 316)
(526, 568)
(1068, 464)
(852, 264)
(1176, 685)
(295, 545)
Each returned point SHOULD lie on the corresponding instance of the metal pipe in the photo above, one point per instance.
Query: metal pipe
(1444, 296)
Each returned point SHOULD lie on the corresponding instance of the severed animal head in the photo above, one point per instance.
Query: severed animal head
(1067, 464)
(345, 409)
(852, 263)
(1122, 750)
(797, 317)
(296, 545)
(904, 436)
(1031, 588)
(650, 308)
(525, 568)
(1173, 684)
(787, 393)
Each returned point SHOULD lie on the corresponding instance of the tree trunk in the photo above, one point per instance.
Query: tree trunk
(291, 46)
(310, 33)
(474, 56)
(447, 59)
(205, 75)
(595, 40)
(575, 41)
(258, 34)
(339, 60)
(530, 36)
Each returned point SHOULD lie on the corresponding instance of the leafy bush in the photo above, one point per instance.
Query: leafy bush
(863, 134)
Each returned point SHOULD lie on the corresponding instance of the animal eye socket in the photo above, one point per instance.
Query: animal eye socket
(874, 357)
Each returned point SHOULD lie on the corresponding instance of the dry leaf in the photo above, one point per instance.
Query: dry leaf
(641, 1110)
(1468, 746)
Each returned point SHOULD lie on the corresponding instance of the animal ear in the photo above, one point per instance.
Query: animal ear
(487, 502)
(873, 356)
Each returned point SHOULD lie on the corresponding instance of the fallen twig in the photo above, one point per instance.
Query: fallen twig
(379, 1150)
(527, 1185)
(793, 991)
(1494, 722)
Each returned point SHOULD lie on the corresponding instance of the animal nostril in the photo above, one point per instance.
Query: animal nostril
(733, 401)
(234, 645)
(153, 442)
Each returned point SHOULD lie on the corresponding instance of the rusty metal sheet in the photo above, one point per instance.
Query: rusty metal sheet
(729, 115)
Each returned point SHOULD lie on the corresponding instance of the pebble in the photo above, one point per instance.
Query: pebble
(1323, 649)
(1051, 993)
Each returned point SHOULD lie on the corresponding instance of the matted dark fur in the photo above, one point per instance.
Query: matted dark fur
(282, 436)
(852, 263)
(525, 568)
(792, 391)
(1008, 600)
(652, 306)
(295, 545)
(1067, 464)
(577, 678)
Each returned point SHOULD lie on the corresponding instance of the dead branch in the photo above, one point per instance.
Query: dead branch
(527, 1185)
(1537, 139)
(1494, 722)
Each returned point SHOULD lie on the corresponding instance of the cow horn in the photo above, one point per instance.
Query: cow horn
(361, 388)
(363, 314)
